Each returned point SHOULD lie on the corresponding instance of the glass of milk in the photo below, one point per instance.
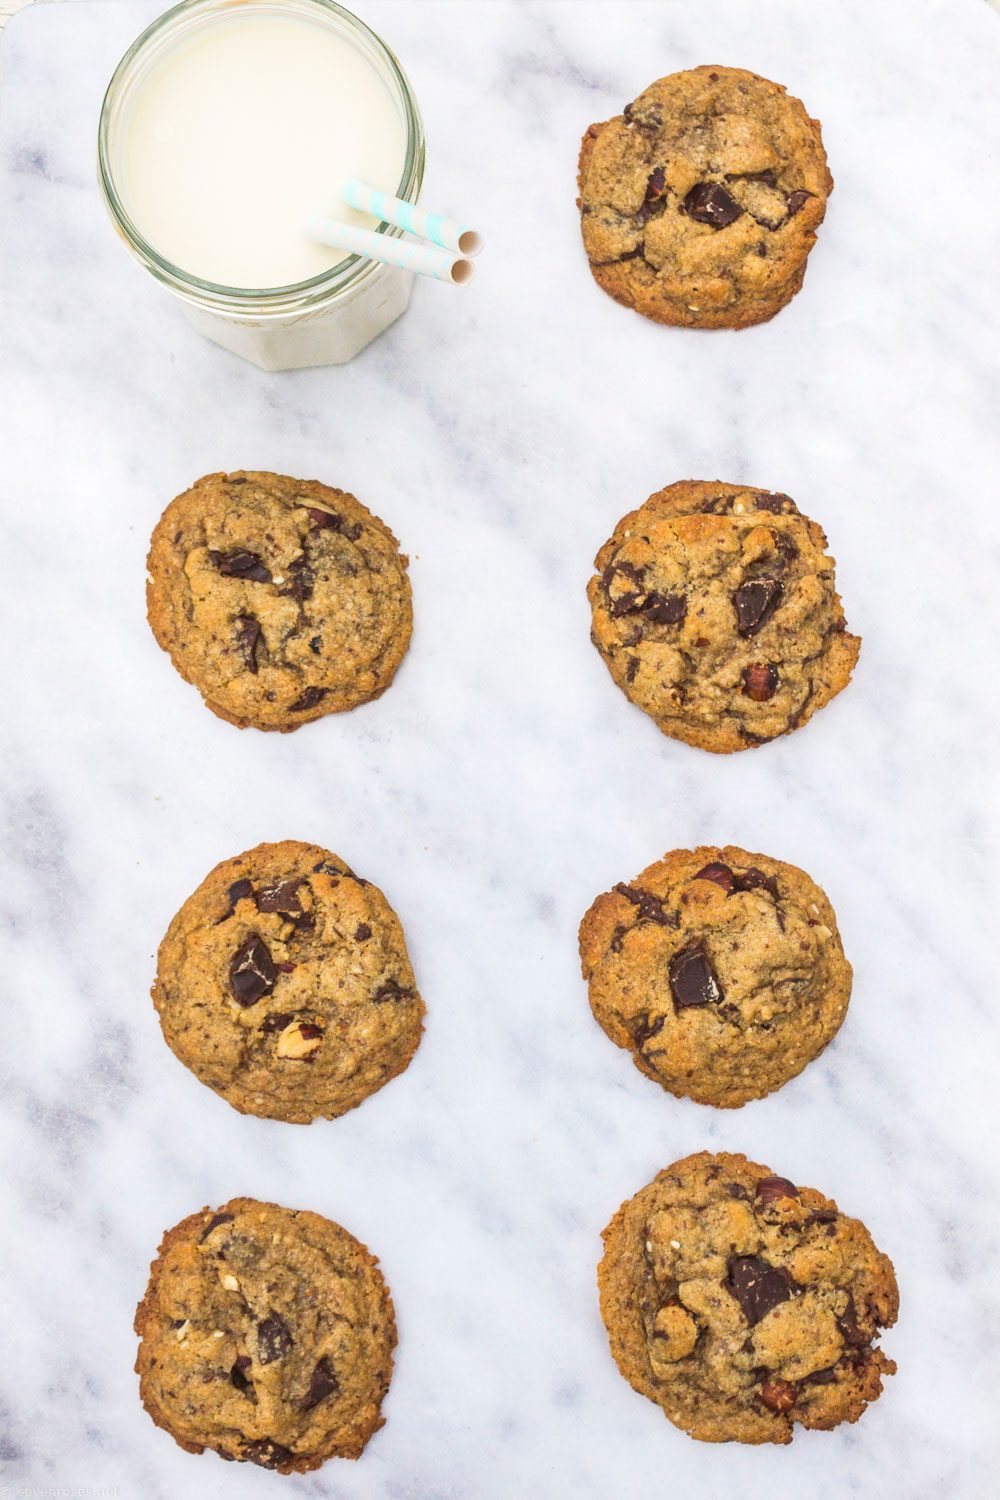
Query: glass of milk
(225, 128)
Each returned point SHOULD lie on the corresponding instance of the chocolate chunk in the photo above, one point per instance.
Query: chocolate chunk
(757, 1286)
(616, 938)
(623, 605)
(390, 990)
(323, 1383)
(692, 981)
(755, 603)
(795, 200)
(362, 932)
(778, 1395)
(240, 564)
(277, 1020)
(274, 1339)
(646, 118)
(848, 1325)
(650, 907)
(301, 581)
(824, 1216)
(281, 898)
(248, 634)
(760, 681)
(737, 1190)
(251, 971)
(771, 1189)
(323, 518)
(709, 203)
(755, 880)
(656, 184)
(626, 569)
(820, 1377)
(785, 546)
(240, 890)
(665, 609)
(214, 1223)
(308, 699)
(645, 1028)
(720, 874)
(631, 668)
(237, 1375)
(316, 645)
(777, 504)
(326, 519)
(266, 1453)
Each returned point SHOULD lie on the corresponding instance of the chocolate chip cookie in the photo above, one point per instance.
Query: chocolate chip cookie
(716, 611)
(742, 1304)
(266, 1334)
(722, 972)
(284, 984)
(700, 202)
(280, 599)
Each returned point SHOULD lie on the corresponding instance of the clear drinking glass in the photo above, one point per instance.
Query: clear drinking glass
(323, 321)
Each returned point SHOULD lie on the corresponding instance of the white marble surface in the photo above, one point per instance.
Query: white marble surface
(504, 781)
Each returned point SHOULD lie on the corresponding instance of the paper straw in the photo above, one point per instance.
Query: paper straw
(448, 233)
(423, 259)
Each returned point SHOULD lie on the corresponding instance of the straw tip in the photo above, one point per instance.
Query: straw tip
(470, 242)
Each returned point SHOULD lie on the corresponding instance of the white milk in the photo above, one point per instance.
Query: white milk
(239, 136)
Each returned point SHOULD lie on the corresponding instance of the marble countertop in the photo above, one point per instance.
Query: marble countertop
(504, 781)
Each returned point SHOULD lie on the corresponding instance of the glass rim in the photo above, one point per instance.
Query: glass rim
(294, 296)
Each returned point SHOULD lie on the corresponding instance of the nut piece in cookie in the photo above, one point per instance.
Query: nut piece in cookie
(742, 1304)
(699, 203)
(722, 972)
(267, 1335)
(284, 984)
(716, 611)
(280, 599)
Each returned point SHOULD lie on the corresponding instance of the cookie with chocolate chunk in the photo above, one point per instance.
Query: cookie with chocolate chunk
(700, 202)
(742, 1304)
(284, 984)
(266, 1335)
(280, 599)
(716, 611)
(722, 972)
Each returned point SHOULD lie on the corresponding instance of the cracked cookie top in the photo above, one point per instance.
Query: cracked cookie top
(284, 984)
(266, 1335)
(742, 1304)
(699, 203)
(280, 599)
(722, 972)
(716, 612)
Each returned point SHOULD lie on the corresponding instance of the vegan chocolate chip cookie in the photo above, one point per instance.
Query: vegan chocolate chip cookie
(722, 972)
(716, 611)
(284, 984)
(267, 1335)
(280, 599)
(699, 204)
(742, 1304)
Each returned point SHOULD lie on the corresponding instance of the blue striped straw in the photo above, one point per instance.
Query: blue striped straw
(448, 233)
(409, 256)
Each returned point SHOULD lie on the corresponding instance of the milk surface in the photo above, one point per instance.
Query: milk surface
(239, 136)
